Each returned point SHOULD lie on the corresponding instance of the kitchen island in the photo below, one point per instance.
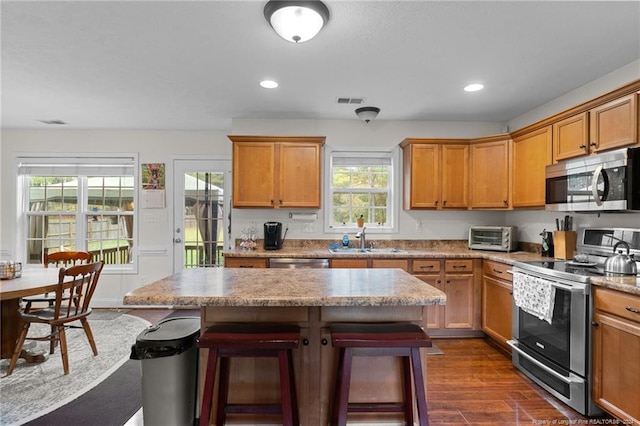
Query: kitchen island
(313, 299)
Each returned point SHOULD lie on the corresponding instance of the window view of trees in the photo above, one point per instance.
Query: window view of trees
(360, 191)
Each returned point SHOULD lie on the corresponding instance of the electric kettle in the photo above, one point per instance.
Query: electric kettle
(621, 264)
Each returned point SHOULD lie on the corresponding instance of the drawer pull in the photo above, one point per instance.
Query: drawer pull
(459, 266)
(426, 266)
(634, 310)
(497, 271)
(246, 266)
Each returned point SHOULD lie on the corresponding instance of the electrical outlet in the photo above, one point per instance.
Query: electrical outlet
(419, 226)
(307, 227)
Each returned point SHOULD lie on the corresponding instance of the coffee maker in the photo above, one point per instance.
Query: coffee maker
(272, 236)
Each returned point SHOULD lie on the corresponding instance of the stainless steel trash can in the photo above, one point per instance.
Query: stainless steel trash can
(169, 359)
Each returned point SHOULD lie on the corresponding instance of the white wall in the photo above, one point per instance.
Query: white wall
(381, 135)
(152, 147)
(591, 90)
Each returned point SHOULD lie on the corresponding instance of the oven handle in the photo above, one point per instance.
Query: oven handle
(555, 283)
(567, 380)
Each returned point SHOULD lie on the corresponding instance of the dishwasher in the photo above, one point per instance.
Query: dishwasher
(295, 263)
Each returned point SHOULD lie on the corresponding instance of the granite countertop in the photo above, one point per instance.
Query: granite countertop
(627, 284)
(411, 250)
(287, 287)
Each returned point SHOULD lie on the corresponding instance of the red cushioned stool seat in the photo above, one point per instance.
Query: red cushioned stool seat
(226, 341)
(396, 339)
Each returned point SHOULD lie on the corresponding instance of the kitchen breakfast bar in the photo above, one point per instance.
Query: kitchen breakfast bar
(313, 299)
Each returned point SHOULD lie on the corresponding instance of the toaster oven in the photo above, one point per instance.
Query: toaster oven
(497, 238)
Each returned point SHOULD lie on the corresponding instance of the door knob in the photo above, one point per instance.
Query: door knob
(177, 240)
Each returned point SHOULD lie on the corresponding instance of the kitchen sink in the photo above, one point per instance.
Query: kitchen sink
(352, 250)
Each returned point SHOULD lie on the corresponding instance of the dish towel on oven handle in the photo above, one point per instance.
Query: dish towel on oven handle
(534, 295)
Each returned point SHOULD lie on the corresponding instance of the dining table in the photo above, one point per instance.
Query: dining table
(33, 281)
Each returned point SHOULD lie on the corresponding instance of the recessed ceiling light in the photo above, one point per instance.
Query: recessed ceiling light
(474, 87)
(268, 84)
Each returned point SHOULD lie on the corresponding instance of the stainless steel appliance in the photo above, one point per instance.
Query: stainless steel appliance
(557, 354)
(272, 236)
(296, 263)
(608, 181)
(497, 238)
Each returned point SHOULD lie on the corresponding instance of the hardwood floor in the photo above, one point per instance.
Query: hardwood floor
(473, 383)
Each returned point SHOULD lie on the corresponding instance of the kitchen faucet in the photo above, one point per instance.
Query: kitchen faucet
(363, 240)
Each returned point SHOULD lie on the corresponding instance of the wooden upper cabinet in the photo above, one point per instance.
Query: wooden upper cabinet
(571, 137)
(489, 179)
(611, 125)
(614, 124)
(455, 176)
(531, 154)
(435, 174)
(277, 171)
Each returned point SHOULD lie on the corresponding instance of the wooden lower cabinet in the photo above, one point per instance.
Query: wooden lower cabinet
(616, 353)
(497, 302)
(456, 277)
(246, 262)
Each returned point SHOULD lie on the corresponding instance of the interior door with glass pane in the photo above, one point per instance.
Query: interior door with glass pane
(201, 209)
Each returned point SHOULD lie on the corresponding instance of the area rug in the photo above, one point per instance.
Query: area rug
(34, 390)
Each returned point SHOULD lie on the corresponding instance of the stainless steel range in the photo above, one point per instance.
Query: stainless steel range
(552, 318)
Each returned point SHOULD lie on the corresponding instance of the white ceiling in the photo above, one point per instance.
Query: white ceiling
(196, 65)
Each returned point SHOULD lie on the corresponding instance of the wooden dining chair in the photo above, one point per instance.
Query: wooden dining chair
(59, 259)
(79, 282)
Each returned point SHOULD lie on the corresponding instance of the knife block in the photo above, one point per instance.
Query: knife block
(564, 244)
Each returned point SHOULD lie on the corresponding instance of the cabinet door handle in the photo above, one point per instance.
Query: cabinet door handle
(634, 310)
(272, 202)
(448, 281)
(593, 144)
(439, 281)
(497, 271)
(444, 203)
(583, 146)
(435, 202)
(280, 202)
(305, 342)
(594, 324)
(324, 342)
(506, 202)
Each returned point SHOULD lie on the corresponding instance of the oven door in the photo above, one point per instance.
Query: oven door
(563, 342)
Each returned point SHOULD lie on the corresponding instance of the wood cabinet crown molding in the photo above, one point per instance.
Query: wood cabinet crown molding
(633, 87)
(262, 138)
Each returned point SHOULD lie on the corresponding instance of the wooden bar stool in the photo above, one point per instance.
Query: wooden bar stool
(226, 341)
(396, 339)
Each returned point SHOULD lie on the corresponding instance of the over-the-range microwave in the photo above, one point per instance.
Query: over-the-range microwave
(497, 238)
(609, 181)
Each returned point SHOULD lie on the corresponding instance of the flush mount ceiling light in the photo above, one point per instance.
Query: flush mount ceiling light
(474, 87)
(268, 84)
(296, 21)
(367, 114)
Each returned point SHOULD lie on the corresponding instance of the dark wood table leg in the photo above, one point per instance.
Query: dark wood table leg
(11, 332)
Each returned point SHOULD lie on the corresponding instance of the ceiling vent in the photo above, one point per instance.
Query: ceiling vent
(53, 122)
(356, 101)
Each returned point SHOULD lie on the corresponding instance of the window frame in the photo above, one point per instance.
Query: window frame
(391, 226)
(56, 160)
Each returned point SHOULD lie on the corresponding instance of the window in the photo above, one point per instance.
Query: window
(361, 185)
(80, 203)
